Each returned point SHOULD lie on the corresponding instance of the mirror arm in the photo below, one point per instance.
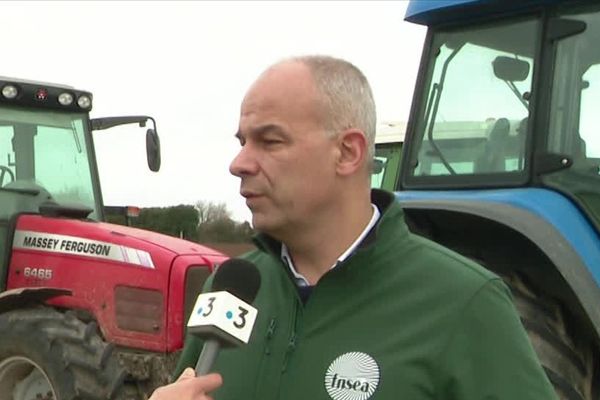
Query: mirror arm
(511, 85)
(97, 124)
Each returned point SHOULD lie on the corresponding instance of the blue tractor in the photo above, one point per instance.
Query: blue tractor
(501, 162)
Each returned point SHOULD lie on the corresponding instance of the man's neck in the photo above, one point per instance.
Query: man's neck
(317, 250)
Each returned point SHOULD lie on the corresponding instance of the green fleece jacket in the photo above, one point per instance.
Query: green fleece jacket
(401, 318)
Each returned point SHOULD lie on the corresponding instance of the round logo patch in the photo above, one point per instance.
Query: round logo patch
(352, 376)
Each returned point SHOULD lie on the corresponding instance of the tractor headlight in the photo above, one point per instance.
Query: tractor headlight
(84, 101)
(10, 91)
(65, 99)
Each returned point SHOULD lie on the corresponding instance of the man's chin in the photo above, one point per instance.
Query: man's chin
(264, 224)
(260, 223)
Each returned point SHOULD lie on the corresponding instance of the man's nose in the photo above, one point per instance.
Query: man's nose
(244, 163)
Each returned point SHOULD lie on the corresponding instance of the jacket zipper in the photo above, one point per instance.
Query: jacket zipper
(290, 349)
(291, 346)
(270, 334)
(266, 353)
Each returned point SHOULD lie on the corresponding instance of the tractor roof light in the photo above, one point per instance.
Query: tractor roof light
(84, 101)
(41, 94)
(10, 91)
(65, 99)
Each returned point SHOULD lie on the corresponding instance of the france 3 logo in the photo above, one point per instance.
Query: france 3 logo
(223, 314)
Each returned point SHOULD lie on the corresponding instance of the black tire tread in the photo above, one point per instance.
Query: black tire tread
(564, 387)
(568, 366)
(75, 355)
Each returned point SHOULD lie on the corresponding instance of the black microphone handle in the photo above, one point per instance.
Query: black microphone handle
(207, 358)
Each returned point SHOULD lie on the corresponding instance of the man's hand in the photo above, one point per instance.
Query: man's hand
(189, 387)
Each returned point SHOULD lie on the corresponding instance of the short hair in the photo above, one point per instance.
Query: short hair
(346, 96)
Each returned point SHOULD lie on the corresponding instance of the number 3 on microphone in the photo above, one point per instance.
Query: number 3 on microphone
(222, 311)
(211, 300)
(242, 317)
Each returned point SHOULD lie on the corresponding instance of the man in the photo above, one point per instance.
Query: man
(351, 305)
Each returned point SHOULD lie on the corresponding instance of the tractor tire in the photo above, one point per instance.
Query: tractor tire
(48, 355)
(568, 363)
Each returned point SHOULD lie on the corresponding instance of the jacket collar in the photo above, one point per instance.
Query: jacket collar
(385, 202)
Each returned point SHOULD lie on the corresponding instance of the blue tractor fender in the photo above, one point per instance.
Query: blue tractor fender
(548, 219)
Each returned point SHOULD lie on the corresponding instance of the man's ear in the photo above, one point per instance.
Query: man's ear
(352, 151)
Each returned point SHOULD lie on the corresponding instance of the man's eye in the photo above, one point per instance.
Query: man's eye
(272, 141)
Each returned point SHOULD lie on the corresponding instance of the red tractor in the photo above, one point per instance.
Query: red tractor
(88, 310)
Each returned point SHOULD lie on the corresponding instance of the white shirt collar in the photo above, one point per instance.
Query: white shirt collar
(300, 279)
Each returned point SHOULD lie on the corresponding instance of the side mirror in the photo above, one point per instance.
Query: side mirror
(510, 69)
(152, 140)
(153, 150)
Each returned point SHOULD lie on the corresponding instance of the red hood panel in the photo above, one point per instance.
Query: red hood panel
(179, 246)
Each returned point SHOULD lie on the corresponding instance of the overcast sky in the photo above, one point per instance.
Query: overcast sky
(188, 64)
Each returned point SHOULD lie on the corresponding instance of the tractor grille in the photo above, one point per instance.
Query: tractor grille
(194, 281)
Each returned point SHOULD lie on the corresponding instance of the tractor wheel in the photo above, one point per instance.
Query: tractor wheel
(568, 364)
(47, 355)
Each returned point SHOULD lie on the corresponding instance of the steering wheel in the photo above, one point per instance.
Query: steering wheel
(4, 171)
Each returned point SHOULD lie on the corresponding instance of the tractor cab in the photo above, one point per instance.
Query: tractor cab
(47, 162)
(388, 154)
(508, 101)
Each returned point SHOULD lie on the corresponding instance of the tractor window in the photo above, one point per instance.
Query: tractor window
(475, 108)
(64, 171)
(7, 156)
(574, 125)
(589, 126)
(386, 165)
(44, 151)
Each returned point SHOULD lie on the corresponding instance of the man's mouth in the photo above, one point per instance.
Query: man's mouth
(248, 194)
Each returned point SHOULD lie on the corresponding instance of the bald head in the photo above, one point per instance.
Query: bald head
(287, 87)
(341, 93)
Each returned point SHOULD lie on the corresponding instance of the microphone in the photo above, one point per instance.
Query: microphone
(224, 316)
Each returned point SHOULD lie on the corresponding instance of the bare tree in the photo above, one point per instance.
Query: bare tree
(215, 224)
(209, 211)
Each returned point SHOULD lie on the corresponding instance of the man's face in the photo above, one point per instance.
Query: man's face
(287, 160)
